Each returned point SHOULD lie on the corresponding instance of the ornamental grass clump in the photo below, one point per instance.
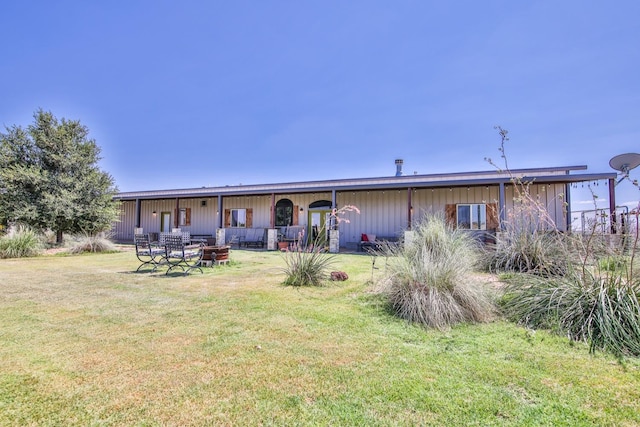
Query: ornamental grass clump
(429, 279)
(307, 263)
(596, 301)
(307, 267)
(540, 252)
(91, 243)
(598, 306)
(20, 241)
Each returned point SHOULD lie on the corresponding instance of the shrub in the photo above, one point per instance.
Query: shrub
(429, 279)
(307, 267)
(597, 306)
(91, 243)
(20, 241)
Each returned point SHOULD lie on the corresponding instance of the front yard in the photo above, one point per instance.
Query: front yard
(85, 341)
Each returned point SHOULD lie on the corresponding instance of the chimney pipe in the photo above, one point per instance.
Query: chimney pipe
(399, 163)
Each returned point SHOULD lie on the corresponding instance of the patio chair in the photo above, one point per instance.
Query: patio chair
(180, 255)
(147, 253)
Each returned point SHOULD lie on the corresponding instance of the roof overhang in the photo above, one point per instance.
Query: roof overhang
(368, 184)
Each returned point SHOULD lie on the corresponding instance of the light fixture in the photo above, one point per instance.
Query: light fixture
(154, 213)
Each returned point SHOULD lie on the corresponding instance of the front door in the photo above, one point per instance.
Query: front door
(165, 222)
(319, 221)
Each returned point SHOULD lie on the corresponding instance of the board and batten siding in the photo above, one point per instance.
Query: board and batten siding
(123, 228)
(552, 196)
(383, 213)
(203, 218)
(434, 201)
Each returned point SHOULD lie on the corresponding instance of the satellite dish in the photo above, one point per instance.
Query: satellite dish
(624, 163)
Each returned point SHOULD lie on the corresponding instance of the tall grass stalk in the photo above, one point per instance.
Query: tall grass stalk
(429, 279)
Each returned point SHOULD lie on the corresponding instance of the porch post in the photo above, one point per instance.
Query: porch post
(272, 233)
(138, 204)
(272, 219)
(567, 199)
(175, 219)
(334, 232)
(502, 206)
(612, 205)
(409, 209)
(220, 212)
(334, 205)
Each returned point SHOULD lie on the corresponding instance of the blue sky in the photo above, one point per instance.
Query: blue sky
(222, 93)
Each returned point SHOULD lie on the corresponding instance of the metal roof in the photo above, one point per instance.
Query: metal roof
(550, 174)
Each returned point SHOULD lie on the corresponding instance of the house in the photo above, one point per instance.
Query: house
(389, 205)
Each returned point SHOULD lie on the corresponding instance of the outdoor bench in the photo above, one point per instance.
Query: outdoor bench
(253, 237)
(375, 243)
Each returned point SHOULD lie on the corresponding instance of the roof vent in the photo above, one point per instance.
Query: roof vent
(399, 163)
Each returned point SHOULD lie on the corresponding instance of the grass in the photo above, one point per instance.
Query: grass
(85, 341)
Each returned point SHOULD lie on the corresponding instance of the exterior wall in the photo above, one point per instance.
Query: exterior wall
(122, 229)
(203, 218)
(550, 195)
(302, 201)
(426, 201)
(261, 205)
(383, 213)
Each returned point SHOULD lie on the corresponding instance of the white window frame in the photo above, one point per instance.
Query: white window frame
(238, 218)
(477, 219)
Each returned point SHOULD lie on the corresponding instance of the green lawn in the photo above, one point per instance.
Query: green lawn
(85, 341)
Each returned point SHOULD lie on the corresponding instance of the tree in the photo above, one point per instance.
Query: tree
(49, 178)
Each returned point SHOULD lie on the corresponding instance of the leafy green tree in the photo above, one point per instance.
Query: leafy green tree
(50, 180)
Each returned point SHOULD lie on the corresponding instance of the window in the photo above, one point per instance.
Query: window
(284, 213)
(184, 217)
(472, 216)
(238, 218)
